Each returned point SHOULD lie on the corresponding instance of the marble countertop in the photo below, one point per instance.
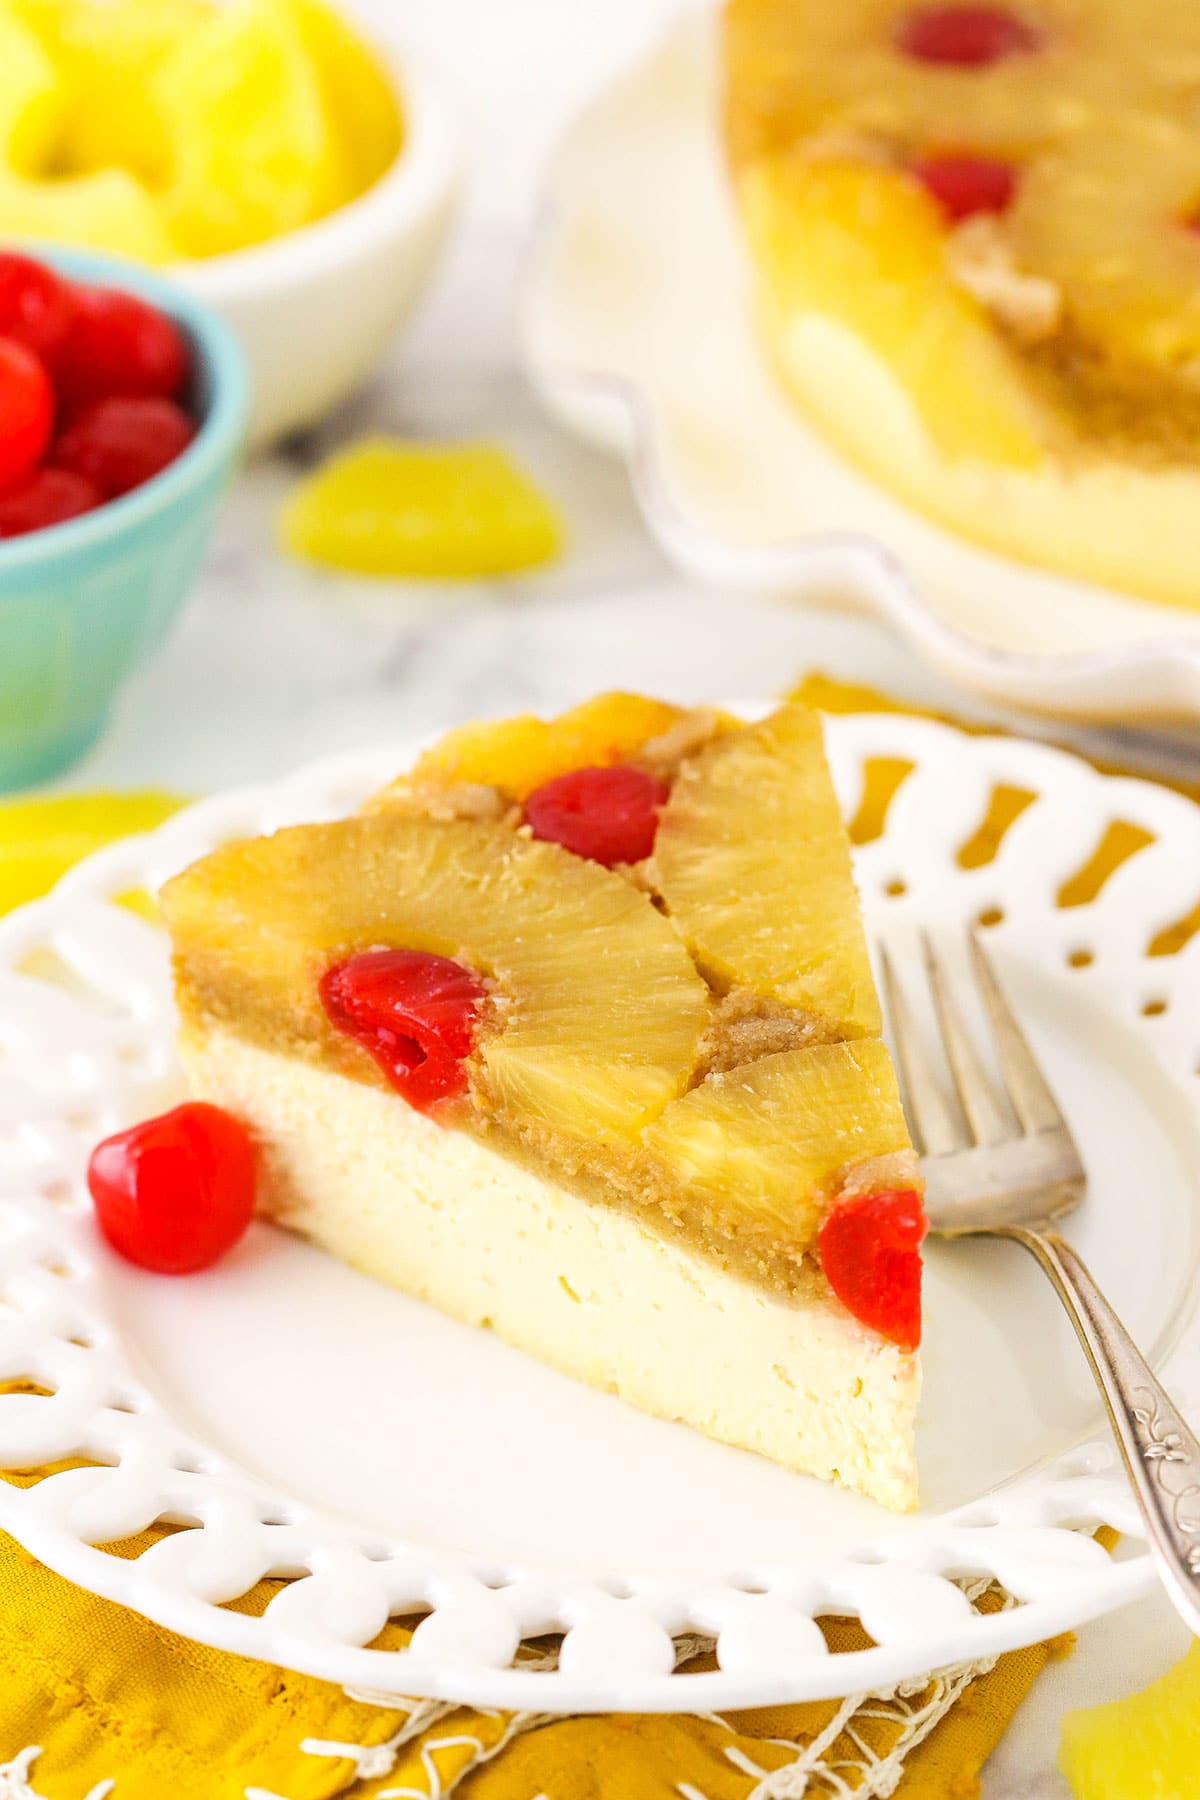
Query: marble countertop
(275, 663)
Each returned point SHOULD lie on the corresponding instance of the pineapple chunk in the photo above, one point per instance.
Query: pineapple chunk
(33, 99)
(804, 66)
(1106, 216)
(753, 863)
(359, 97)
(386, 508)
(107, 56)
(43, 838)
(864, 248)
(251, 147)
(1143, 1748)
(766, 1143)
(601, 1012)
(108, 210)
(517, 755)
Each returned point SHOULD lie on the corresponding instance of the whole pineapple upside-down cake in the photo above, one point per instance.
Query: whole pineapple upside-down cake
(975, 232)
(572, 1033)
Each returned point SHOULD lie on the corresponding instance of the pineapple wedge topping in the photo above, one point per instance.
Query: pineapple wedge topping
(865, 247)
(766, 1145)
(1110, 217)
(599, 1012)
(518, 754)
(753, 863)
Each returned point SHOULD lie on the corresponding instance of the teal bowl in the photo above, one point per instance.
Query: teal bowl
(82, 604)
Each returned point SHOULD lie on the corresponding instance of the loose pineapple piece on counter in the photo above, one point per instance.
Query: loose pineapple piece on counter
(41, 839)
(383, 507)
(1144, 1748)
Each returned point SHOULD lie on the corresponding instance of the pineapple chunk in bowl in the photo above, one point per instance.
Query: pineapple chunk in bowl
(317, 308)
(293, 176)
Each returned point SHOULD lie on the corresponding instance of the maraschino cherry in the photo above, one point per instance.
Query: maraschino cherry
(46, 496)
(965, 37)
(609, 815)
(174, 1193)
(121, 441)
(26, 411)
(116, 343)
(36, 304)
(870, 1251)
(963, 184)
(414, 1012)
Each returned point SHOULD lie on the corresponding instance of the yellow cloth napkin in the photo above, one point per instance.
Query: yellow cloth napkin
(95, 1701)
(91, 1694)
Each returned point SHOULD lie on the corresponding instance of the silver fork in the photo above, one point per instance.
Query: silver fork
(1009, 1168)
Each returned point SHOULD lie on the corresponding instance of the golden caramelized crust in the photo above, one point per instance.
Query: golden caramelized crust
(722, 1109)
(744, 1026)
(692, 732)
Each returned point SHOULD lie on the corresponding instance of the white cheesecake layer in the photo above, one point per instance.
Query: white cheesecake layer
(581, 1285)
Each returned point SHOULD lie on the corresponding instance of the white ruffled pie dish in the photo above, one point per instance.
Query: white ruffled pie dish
(638, 334)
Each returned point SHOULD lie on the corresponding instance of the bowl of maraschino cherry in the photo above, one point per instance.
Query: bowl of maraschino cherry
(123, 406)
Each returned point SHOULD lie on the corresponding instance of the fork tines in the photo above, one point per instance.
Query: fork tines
(993, 1112)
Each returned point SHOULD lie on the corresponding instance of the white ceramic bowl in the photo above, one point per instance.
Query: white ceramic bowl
(317, 308)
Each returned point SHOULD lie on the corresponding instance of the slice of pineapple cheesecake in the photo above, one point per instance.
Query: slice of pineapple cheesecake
(572, 1033)
(975, 239)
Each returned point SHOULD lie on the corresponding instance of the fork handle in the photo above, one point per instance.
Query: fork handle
(1161, 1454)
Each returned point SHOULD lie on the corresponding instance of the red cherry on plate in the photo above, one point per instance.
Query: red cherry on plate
(173, 1194)
(44, 497)
(609, 815)
(36, 303)
(26, 410)
(122, 441)
(870, 1250)
(118, 344)
(964, 185)
(414, 1012)
(965, 37)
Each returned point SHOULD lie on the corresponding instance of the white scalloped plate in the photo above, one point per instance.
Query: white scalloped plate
(638, 335)
(308, 1423)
